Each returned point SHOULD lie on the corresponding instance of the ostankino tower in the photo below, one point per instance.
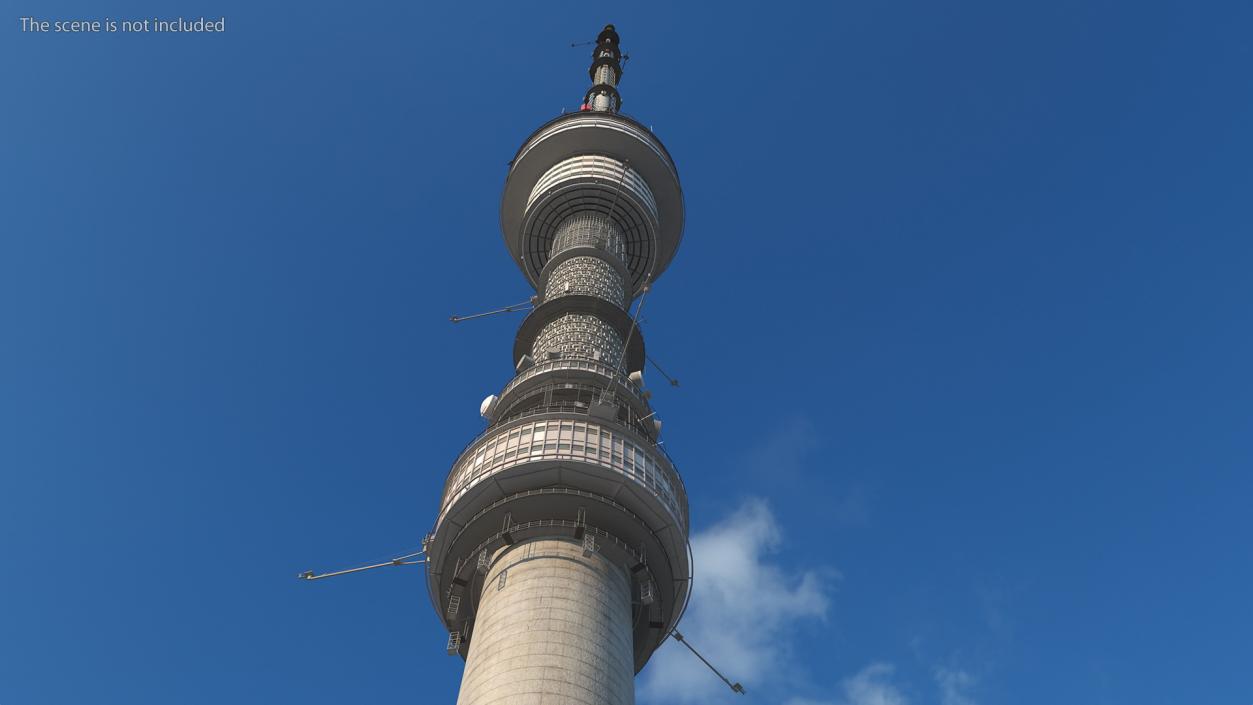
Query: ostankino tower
(559, 561)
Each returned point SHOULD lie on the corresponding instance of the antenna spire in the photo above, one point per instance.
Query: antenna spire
(606, 73)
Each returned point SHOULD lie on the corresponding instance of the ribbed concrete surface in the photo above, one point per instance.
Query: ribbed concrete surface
(557, 632)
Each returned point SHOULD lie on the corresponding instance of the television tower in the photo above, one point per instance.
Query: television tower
(559, 561)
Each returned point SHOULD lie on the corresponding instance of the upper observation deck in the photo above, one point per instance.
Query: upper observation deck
(596, 161)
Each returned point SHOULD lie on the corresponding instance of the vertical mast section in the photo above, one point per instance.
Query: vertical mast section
(606, 74)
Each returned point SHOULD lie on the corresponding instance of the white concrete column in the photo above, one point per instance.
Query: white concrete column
(553, 627)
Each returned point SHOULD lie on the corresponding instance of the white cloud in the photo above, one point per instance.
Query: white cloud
(744, 611)
(954, 684)
(870, 686)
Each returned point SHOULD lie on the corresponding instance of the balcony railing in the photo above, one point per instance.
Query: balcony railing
(574, 363)
(544, 439)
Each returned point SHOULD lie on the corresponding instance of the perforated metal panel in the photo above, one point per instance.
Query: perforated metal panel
(579, 335)
(588, 276)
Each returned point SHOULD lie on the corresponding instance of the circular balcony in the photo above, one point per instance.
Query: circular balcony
(576, 368)
(646, 200)
(602, 457)
(560, 476)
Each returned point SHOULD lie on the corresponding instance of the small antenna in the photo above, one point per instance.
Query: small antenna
(507, 309)
(574, 45)
(735, 687)
(401, 560)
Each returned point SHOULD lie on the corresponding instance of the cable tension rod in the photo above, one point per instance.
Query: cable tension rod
(507, 309)
(401, 560)
(735, 687)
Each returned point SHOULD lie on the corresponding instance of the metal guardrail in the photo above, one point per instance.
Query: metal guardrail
(656, 474)
(573, 363)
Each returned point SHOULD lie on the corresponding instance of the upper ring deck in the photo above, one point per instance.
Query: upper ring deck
(593, 133)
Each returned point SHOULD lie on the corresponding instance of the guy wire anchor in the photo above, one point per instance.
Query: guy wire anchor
(735, 687)
(508, 309)
(401, 560)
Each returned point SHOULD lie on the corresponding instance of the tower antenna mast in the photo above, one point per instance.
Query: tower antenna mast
(565, 519)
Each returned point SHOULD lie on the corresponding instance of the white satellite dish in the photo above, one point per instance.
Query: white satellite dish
(488, 405)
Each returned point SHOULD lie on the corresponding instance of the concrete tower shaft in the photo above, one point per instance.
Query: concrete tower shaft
(555, 626)
(559, 561)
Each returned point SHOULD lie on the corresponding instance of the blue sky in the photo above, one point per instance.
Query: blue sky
(962, 320)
